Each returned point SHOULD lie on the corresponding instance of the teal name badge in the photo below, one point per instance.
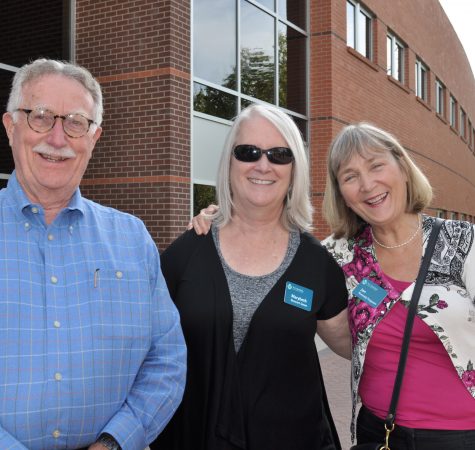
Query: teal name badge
(369, 292)
(298, 296)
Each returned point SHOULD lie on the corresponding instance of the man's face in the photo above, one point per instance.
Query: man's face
(50, 165)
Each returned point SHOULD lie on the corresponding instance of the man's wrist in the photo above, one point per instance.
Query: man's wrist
(108, 441)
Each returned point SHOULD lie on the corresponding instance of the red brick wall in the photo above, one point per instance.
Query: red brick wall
(140, 53)
(346, 88)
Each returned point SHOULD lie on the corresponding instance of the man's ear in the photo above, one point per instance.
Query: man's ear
(7, 120)
(97, 135)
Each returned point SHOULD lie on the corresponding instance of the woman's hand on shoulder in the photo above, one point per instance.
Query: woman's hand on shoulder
(202, 222)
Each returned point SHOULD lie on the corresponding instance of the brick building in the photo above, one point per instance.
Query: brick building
(174, 72)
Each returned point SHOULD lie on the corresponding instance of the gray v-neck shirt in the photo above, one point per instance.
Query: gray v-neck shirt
(247, 292)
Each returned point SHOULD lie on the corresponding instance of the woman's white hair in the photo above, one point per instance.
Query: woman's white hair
(41, 67)
(297, 209)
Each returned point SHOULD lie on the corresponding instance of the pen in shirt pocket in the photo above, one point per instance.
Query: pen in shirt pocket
(96, 277)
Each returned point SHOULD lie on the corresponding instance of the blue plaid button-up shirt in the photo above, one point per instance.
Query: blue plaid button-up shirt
(90, 340)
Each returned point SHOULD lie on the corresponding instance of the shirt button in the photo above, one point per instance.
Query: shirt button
(54, 280)
(119, 274)
(50, 237)
(56, 434)
(57, 323)
(27, 226)
(58, 376)
(34, 210)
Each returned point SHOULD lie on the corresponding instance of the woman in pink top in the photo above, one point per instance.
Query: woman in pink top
(374, 199)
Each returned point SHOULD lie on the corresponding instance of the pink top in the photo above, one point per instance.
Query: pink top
(432, 394)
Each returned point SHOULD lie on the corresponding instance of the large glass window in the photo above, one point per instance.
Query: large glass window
(244, 51)
(439, 98)
(25, 38)
(358, 28)
(261, 54)
(421, 80)
(257, 53)
(213, 101)
(214, 42)
(292, 69)
(395, 58)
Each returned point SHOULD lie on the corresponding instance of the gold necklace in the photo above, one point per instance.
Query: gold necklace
(389, 247)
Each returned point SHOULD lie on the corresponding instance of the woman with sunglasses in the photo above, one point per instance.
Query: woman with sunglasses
(251, 295)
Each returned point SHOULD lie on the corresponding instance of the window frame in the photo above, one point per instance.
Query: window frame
(358, 9)
(453, 112)
(462, 119)
(470, 133)
(207, 120)
(439, 98)
(390, 58)
(422, 80)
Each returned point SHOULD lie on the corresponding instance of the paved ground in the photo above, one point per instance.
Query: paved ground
(336, 372)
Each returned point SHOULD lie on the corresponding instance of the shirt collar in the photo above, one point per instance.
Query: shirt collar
(20, 199)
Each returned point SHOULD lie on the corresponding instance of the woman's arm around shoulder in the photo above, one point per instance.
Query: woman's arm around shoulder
(335, 332)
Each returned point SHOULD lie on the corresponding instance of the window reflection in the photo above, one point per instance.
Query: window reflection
(302, 126)
(364, 27)
(269, 4)
(6, 158)
(292, 73)
(203, 196)
(350, 24)
(214, 41)
(294, 11)
(245, 103)
(260, 49)
(26, 38)
(257, 53)
(214, 102)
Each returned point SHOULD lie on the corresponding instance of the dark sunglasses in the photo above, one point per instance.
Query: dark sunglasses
(251, 153)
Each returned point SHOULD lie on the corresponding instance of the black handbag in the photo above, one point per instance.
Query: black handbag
(391, 416)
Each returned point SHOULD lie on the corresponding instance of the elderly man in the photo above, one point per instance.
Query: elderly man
(91, 350)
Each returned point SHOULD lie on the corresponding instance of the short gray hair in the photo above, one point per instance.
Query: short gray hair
(297, 211)
(40, 67)
(361, 139)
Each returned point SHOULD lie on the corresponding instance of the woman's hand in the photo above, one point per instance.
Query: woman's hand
(202, 222)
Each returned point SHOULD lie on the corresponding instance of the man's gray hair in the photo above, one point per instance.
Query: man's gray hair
(40, 67)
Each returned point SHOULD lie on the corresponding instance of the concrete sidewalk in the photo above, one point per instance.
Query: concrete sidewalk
(336, 373)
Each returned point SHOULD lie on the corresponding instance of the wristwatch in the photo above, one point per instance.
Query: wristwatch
(108, 441)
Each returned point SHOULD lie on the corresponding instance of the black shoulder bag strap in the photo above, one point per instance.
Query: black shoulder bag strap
(389, 422)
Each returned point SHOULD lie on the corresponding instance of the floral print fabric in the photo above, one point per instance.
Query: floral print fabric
(447, 302)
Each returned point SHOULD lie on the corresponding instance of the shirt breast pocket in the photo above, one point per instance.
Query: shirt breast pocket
(121, 307)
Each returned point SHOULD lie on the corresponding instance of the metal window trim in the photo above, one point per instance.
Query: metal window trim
(395, 41)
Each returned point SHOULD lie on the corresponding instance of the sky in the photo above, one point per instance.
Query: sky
(461, 14)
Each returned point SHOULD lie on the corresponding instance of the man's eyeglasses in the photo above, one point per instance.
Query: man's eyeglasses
(41, 120)
(251, 153)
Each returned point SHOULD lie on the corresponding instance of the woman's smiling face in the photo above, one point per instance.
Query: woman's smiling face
(260, 183)
(374, 186)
